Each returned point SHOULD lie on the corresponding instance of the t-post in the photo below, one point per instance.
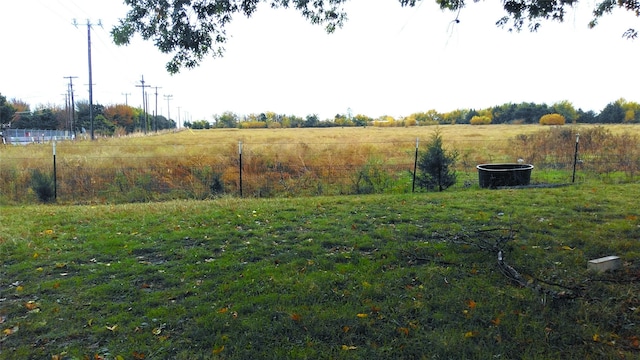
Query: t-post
(575, 159)
(415, 167)
(55, 184)
(240, 163)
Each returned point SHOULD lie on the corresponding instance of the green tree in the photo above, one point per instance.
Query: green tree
(566, 109)
(6, 112)
(611, 114)
(228, 120)
(311, 121)
(83, 120)
(191, 29)
(436, 165)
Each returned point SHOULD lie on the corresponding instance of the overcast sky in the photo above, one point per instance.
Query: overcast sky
(386, 60)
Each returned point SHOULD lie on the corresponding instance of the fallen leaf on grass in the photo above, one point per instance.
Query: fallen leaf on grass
(31, 305)
(346, 347)
(218, 350)
(112, 328)
(567, 248)
(10, 331)
(403, 330)
(471, 304)
(470, 334)
(138, 356)
(296, 317)
(362, 316)
(156, 331)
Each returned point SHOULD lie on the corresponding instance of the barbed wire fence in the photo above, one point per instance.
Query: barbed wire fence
(126, 173)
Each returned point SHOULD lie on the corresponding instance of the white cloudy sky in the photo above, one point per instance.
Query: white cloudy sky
(387, 60)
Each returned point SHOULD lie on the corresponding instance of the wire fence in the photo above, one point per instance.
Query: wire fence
(86, 172)
(28, 136)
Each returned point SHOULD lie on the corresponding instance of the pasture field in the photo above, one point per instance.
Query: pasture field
(303, 162)
(403, 276)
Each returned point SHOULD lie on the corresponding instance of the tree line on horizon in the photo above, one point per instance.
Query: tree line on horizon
(617, 112)
(122, 119)
(108, 120)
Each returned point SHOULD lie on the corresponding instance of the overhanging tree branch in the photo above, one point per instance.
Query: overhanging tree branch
(192, 29)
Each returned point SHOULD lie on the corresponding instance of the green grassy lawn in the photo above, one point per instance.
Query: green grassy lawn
(382, 276)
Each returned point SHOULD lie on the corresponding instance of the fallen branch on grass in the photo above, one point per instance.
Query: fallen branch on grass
(497, 247)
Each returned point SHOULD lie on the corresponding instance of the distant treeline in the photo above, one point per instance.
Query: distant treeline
(620, 111)
(124, 119)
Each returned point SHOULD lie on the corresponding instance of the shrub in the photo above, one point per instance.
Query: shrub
(435, 166)
(480, 120)
(371, 178)
(42, 185)
(552, 119)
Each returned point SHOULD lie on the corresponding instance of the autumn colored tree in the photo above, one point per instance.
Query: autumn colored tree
(552, 119)
(190, 30)
(480, 120)
(631, 110)
(121, 116)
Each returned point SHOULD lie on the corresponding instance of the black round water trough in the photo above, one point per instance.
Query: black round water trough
(495, 175)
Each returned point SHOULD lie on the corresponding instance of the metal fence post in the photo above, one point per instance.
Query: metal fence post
(575, 159)
(240, 163)
(55, 180)
(415, 167)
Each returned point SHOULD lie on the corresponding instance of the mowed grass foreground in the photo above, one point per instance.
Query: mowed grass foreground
(379, 277)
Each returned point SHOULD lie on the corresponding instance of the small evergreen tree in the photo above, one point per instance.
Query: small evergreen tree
(42, 184)
(436, 165)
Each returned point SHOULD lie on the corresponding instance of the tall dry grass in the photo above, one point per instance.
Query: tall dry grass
(295, 162)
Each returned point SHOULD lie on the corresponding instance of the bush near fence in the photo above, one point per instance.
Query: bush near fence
(124, 172)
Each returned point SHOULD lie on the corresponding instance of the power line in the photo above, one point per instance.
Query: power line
(126, 98)
(168, 97)
(89, 25)
(155, 118)
(72, 110)
(144, 101)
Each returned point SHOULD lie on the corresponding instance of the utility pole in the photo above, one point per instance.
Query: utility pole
(72, 110)
(178, 117)
(126, 98)
(168, 97)
(144, 101)
(155, 118)
(89, 25)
